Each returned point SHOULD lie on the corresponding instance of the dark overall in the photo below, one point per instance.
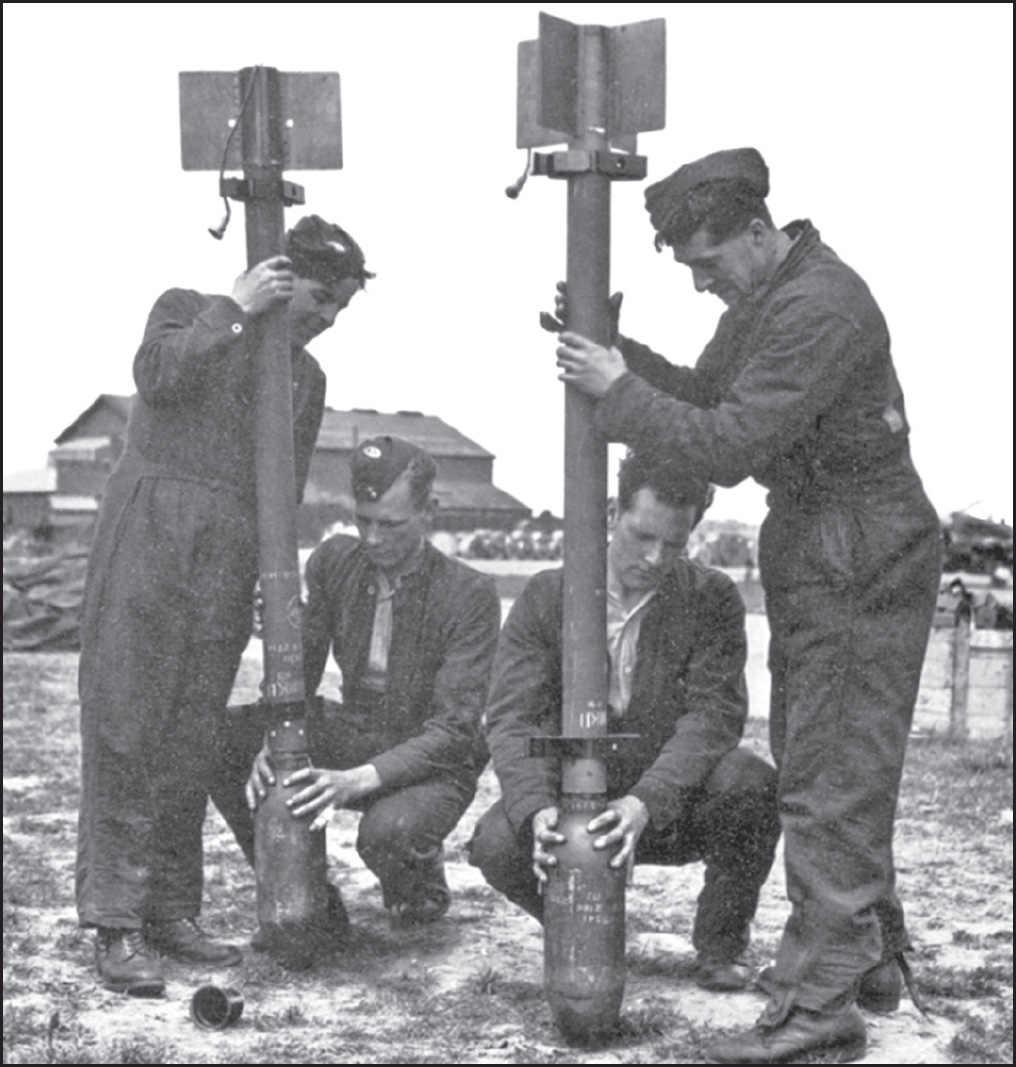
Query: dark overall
(168, 608)
(797, 389)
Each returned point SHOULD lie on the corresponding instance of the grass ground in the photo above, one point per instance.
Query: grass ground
(468, 990)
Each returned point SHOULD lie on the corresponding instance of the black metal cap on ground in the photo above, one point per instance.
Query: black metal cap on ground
(214, 1008)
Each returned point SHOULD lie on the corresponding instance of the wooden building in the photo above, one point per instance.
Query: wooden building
(87, 450)
(465, 487)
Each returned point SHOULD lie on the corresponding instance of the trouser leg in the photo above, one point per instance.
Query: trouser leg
(166, 618)
(846, 659)
(113, 858)
(240, 741)
(128, 677)
(732, 825)
(185, 776)
(401, 835)
(505, 863)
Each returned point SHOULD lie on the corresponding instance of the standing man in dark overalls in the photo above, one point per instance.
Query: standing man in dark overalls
(168, 602)
(797, 390)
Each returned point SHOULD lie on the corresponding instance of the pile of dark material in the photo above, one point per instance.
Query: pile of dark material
(42, 598)
(976, 546)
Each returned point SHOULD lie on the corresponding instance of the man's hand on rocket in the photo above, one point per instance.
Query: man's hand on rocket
(558, 322)
(624, 820)
(545, 837)
(264, 285)
(327, 790)
(590, 367)
(261, 777)
(258, 623)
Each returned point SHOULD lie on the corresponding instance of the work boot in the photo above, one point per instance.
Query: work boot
(722, 976)
(837, 1038)
(424, 896)
(879, 990)
(126, 964)
(184, 940)
(428, 909)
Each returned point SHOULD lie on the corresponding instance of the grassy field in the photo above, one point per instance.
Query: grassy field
(468, 990)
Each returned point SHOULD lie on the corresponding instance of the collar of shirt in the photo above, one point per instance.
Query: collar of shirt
(622, 642)
(376, 674)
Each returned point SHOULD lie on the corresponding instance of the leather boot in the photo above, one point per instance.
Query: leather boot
(429, 897)
(183, 939)
(722, 976)
(881, 988)
(428, 909)
(126, 964)
(837, 1037)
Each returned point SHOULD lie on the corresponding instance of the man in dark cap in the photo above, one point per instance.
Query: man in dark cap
(797, 390)
(167, 605)
(413, 633)
(686, 792)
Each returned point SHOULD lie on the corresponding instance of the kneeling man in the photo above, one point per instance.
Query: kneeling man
(685, 791)
(414, 634)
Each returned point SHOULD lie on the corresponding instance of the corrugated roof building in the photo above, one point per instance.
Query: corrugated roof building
(88, 448)
(464, 486)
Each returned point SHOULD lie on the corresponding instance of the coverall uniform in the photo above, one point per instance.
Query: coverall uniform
(797, 389)
(168, 606)
(420, 733)
(707, 799)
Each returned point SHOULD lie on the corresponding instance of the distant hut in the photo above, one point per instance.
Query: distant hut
(67, 493)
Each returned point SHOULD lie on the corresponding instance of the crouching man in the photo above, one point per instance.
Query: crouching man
(685, 792)
(414, 635)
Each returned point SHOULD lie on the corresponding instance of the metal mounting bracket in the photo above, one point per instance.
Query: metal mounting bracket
(246, 189)
(566, 164)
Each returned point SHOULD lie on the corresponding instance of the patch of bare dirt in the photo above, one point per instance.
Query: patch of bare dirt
(467, 989)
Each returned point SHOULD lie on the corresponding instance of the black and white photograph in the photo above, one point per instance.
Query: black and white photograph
(508, 533)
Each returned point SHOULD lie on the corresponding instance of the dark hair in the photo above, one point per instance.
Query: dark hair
(422, 471)
(668, 479)
(724, 208)
(325, 252)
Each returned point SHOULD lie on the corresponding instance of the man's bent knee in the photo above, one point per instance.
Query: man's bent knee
(493, 846)
(741, 771)
(505, 864)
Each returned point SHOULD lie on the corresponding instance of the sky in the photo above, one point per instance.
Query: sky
(888, 125)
